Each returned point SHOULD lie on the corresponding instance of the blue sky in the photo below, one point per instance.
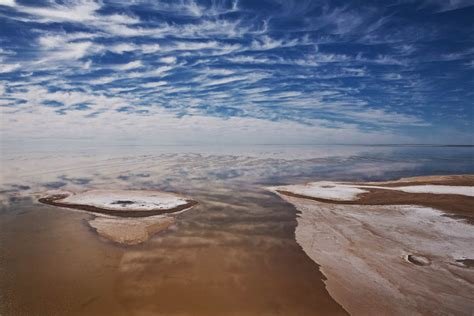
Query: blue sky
(242, 71)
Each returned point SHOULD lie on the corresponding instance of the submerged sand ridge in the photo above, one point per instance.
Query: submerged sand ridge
(124, 216)
(389, 252)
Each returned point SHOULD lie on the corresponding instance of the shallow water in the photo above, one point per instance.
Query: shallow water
(233, 254)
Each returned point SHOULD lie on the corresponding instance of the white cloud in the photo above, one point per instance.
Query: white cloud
(8, 3)
(217, 71)
(81, 11)
(55, 40)
(168, 60)
(163, 127)
(64, 49)
(103, 80)
(122, 48)
(266, 43)
(131, 65)
(193, 9)
(157, 72)
(248, 78)
(180, 7)
(48, 42)
(224, 80)
(449, 5)
(383, 117)
(289, 94)
(192, 46)
(307, 61)
(2, 88)
(9, 67)
(150, 48)
(154, 84)
(72, 51)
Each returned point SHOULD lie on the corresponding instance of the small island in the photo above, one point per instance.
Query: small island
(127, 217)
(122, 203)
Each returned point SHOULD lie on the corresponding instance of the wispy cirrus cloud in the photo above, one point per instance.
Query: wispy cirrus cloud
(313, 66)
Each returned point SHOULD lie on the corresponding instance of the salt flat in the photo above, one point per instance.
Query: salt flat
(387, 259)
(126, 200)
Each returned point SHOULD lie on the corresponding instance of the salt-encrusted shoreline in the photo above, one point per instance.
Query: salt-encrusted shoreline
(124, 216)
(122, 203)
(346, 191)
(388, 259)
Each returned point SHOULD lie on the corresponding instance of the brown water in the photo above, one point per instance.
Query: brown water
(233, 254)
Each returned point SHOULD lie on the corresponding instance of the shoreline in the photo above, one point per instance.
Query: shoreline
(457, 205)
(410, 255)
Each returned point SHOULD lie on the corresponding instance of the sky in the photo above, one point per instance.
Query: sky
(237, 71)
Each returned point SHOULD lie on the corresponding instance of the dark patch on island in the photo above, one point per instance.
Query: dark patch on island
(21, 187)
(123, 202)
(469, 263)
(54, 185)
(143, 175)
(80, 181)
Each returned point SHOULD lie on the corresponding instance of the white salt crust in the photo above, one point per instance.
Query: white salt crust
(126, 200)
(362, 250)
(324, 190)
(340, 191)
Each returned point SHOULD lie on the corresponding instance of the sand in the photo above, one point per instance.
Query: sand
(130, 231)
(391, 259)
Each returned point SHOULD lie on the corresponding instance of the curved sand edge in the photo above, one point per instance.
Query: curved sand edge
(387, 259)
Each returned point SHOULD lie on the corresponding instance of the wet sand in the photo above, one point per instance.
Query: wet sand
(386, 253)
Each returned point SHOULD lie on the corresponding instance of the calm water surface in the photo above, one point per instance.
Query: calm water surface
(233, 254)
